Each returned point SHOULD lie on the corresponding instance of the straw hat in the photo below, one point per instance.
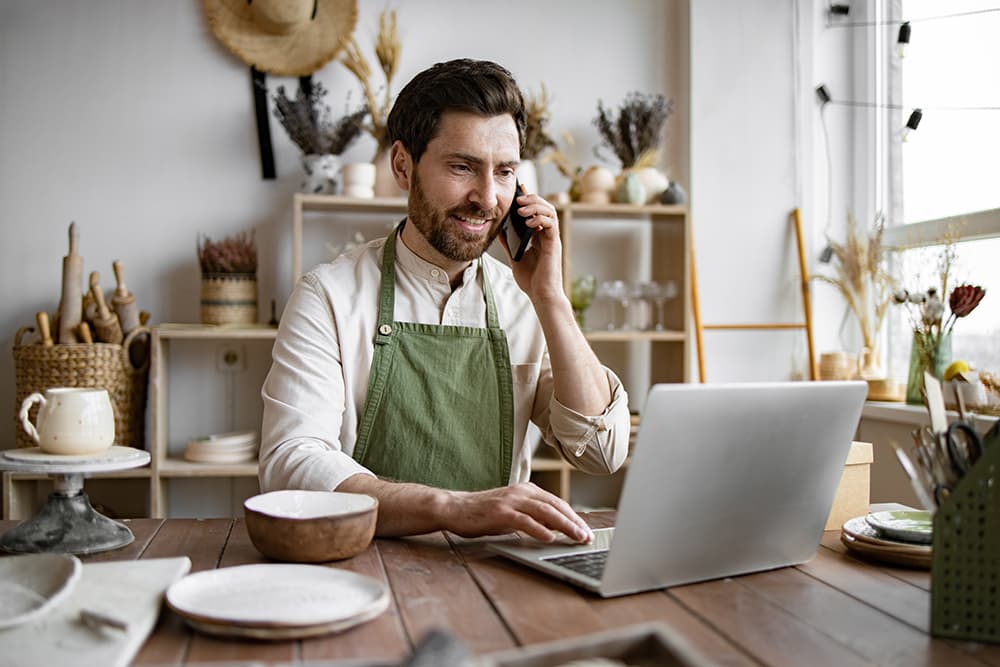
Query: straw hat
(283, 37)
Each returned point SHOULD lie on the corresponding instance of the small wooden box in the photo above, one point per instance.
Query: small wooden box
(854, 491)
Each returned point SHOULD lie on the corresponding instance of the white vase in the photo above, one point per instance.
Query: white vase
(359, 180)
(654, 182)
(527, 176)
(320, 174)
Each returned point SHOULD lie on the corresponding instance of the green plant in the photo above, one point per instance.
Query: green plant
(233, 254)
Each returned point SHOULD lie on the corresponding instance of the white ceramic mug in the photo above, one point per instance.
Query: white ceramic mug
(70, 420)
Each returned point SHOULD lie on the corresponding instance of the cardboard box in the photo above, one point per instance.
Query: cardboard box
(854, 491)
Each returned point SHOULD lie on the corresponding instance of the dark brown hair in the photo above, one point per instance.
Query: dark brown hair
(478, 86)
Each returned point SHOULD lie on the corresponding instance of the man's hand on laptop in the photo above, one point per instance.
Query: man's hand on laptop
(523, 507)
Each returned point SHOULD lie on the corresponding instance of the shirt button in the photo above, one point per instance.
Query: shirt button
(435, 273)
(385, 329)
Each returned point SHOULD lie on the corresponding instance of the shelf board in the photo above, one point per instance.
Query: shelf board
(664, 336)
(350, 204)
(178, 331)
(181, 468)
(628, 210)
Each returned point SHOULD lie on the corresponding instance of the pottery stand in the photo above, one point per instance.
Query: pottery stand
(68, 523)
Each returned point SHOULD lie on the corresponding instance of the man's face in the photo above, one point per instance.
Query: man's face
(464, 183)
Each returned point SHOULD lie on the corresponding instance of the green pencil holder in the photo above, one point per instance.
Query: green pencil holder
(965, 566)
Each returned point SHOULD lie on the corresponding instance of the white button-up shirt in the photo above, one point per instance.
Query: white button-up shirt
(314, 394)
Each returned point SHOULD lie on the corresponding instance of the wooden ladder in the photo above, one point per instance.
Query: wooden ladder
(796, 217)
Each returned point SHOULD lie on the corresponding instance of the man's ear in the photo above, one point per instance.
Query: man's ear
(402, 165)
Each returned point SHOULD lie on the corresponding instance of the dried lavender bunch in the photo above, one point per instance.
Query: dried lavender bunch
(638, 127)
(309, 124)
(233, 254)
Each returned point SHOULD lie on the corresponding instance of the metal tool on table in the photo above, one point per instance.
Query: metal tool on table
(123, 301)
(106, 324)
(42, 320)
(71, 303)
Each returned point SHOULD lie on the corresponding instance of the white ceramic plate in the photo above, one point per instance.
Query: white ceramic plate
(913, 526)
(276, 601)
(862, 531)
(32, 585)
(113, 454)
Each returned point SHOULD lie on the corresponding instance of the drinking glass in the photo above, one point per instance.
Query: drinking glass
(661, 293)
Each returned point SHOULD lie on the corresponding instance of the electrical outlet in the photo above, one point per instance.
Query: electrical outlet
(230, 358)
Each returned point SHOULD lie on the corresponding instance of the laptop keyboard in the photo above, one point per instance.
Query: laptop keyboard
(590, 564)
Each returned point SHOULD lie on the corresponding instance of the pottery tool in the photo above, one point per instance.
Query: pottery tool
(124, 302)
(85, 335)
(71, 304)
(106, 323)
(42, 319)
(935, 403)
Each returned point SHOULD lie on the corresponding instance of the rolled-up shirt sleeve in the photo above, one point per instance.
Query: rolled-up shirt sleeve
(596, 444)
(304, 400)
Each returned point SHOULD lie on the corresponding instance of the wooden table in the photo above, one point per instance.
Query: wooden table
(834, 610)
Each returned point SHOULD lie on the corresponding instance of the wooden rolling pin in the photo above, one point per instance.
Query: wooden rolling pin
(124, 302)
(42, 319)
(106, 324)
(84, 331)
(71, 303)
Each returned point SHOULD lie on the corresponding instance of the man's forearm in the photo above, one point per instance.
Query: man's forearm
(579, 381)
(404, 509)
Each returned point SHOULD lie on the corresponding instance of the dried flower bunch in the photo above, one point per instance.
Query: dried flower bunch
(310, 125)
(634, 135)
(233, 254)
(537, 116)
(928, 315)
(387, 51)
(862, 278)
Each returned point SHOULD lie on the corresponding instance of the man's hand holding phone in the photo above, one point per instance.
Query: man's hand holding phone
(516, 231)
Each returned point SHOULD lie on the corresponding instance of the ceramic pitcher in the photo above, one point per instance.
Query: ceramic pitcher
(70, 420)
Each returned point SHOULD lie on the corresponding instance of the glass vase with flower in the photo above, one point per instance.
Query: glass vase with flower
(931, 347)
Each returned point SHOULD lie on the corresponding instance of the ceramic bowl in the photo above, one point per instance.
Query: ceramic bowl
(310, 526)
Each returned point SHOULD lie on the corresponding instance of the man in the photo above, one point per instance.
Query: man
(408, 369)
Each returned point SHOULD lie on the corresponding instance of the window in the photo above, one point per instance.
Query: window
(941, 180)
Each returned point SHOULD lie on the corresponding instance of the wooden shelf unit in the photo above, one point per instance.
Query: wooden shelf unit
(163, 467)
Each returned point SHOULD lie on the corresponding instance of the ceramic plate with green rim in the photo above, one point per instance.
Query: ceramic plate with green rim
(913, 526)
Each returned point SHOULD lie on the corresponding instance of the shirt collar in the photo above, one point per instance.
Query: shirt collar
(420, 267)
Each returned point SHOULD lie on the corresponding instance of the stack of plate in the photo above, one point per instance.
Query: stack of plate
(900, 537)
(233, 447)
(276, 600)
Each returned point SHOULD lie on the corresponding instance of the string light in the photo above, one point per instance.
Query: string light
(912, 122)
(904, 37)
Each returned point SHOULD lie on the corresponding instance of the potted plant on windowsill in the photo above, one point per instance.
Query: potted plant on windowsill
(228, 279)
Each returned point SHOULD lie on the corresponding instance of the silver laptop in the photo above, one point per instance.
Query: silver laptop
(724, 479)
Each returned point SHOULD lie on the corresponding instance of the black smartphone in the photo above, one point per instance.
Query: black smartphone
(516, 230)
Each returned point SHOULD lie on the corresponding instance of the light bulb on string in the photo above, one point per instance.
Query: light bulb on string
(904, 38)
(912, 122)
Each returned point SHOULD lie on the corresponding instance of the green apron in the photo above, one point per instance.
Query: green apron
(440, 403)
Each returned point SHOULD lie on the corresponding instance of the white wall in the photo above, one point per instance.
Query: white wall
(130, 118)
(756, 154)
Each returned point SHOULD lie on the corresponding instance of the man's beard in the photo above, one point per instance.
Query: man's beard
(445, 237)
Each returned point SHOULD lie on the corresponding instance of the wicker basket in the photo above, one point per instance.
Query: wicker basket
(229, 298)
(121, 369)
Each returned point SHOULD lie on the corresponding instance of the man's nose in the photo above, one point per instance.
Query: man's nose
(484, 193)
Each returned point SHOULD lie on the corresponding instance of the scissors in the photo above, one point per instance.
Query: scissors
(964, 447)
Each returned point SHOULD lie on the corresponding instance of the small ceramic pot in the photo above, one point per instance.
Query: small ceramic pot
(359, 180)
